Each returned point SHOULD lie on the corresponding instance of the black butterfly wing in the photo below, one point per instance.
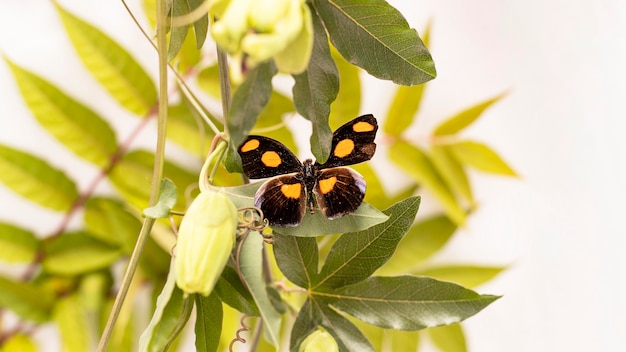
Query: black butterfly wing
(353, 143)
(263, 157)
(339, 191)
(282, 200)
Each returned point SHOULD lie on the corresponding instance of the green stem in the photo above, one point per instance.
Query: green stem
(222, 65)
(156, 179)
(215, 156)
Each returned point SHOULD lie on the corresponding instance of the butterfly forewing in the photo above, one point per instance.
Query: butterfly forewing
(263, 157)
(353, 142)
(339, 191)
(282, 200)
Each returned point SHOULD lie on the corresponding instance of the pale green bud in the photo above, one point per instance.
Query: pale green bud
(319, 341)
(205, 239)
(232, 25)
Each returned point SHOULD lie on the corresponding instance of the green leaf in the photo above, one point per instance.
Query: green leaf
(26, 300)
(115, 69)
(297, 258)
(423, 239)
(167, 200)
(71, 319)
(418, 166)
(375, 194)
(170, 315)
(77, 253)
(356, 256)
(466, 275)
(347, 105)
(109, 221)
(251, 267)
(403, 341)
(448, 338)
(403, 109)
(19, 343)
(247, 103)
(452, 172)
(232, 291)
(315, 89)
(133, 174)
(36, 180)
(209, 81)
(17, 245)
(375, 36)
(407, 302)
(208, 323)
(73, 124)
(186, 128)
(271, 117)
(347, 336)
(465, 118)
(306, 322)
(179, 33)
(200, 26)
(480, 157)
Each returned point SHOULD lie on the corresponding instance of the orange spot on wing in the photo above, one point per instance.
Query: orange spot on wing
(250, 145)
(271, 159)
(363, 127)
(292, 191)
(327, 185)
(344, 148)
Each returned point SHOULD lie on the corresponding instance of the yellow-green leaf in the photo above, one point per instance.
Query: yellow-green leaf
(26, 300)
(347, 104)
(75, 125)
(71, 319)
(452, 172)
(178, 33)
(418, 165)
(110, 221)
(19, 343)
(480, 157)
(115, 69)
(17, 245)
(448, 338)
(458, 122)
(36, 180)
(77, 253)
(466, 275)
(403, 109)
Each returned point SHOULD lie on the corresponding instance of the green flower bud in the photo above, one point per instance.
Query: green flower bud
(319, 341)
(205, 239)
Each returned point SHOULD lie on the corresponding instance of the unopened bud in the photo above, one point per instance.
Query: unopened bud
(319, 341)
(205, 239)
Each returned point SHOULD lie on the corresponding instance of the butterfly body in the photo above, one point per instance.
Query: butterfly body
(296, 185)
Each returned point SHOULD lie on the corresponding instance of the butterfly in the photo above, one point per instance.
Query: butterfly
(336, 190)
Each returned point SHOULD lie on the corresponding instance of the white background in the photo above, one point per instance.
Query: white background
(559, 227)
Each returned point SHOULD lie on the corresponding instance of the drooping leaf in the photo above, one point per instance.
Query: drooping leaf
(16, 244)
(347, 336)
(480, 157)
(71, 319)
(36, 180)
(200, 26)
(449, 338)
(247, 103)
(177, 33)
(306, 322)
(108, 221)
(133, 174)
(465, 118)
(167, 200)
(232, 291)
(208, 322)
(315, 89)
(403, 109)
(73, 124)
(452, 172)
(466, 275)
(77, 253)
(347, 105)
(251, 268)
(375, 36)
(356, 256)
(115, 68)
(423, 239)
(28, 301)
(297, 258)
(19, 343)
(407, 302)
(417, 164)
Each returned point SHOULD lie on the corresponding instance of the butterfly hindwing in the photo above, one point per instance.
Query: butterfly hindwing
(282, 200)
(263, 157)
(339, 191)
(353, 142)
